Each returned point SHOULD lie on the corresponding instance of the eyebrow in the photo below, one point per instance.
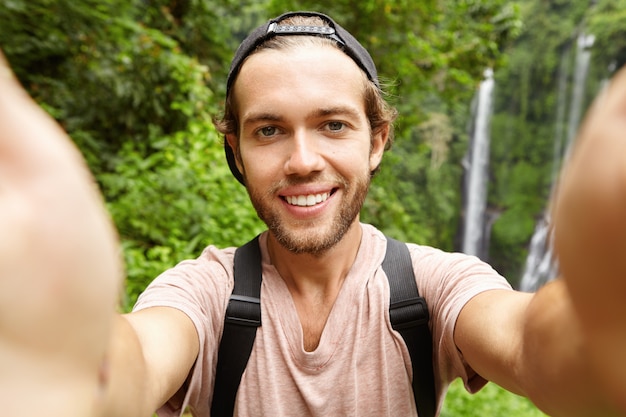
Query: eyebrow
(260, 117)
(348, 111)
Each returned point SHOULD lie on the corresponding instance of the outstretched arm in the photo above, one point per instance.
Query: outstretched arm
(64, 351)
(58, 256)
(565, 346)
(590, 236)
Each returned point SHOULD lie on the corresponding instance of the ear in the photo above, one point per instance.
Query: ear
(233, 142)
(379, 143)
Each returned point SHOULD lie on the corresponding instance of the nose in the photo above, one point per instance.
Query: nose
(304, 156)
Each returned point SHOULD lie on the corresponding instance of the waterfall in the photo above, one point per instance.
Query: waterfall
(583, 58)
(540, 264)
(476, 166)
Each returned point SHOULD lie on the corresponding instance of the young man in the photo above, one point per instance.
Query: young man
(306, 127)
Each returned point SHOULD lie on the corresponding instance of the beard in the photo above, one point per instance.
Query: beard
(309, 236)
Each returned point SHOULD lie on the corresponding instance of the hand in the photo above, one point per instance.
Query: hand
(60, 267)
(590, 235)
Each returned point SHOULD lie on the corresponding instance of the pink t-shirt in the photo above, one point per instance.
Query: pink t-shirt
(361, 366)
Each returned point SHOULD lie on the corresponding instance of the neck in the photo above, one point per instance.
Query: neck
(306, 273)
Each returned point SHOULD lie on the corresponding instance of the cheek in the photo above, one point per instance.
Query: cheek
(258, 162)
(351, 161)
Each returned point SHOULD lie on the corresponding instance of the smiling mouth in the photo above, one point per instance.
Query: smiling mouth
(307, 200)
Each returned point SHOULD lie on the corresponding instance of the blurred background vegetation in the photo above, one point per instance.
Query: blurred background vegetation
(136, 84)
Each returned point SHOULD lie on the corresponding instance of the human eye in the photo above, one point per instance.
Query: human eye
(335, 126)
(267, 131)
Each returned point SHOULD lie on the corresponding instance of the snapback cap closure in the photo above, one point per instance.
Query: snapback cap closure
(326, 31)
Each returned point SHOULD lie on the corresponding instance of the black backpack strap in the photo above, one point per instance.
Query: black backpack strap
(243, 316)
(409, 316)
(407, 310)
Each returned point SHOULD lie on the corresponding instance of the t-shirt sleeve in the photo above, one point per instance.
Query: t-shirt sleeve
(199, 288)
(448, 281)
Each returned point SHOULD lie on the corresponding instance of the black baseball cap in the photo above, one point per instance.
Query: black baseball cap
(271, 28)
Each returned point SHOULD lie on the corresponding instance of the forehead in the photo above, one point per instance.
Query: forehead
(297, 74)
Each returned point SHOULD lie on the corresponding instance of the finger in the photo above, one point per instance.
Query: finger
(31, 143)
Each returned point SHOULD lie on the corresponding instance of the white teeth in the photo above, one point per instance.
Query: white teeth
(307, 200)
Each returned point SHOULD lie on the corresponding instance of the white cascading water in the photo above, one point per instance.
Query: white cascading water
(476, 167)
(540, 264)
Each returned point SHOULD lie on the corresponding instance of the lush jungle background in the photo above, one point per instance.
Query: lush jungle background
(136, 84)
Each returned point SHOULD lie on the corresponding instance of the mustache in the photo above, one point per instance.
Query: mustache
(308, 179)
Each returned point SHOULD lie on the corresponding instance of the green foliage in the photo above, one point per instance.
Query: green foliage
(490, 401)
(208, 31)
(105, 77)
(608, 24)
(172, 204)
(522, 162)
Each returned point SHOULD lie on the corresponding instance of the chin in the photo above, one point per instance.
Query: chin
(312, 241)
